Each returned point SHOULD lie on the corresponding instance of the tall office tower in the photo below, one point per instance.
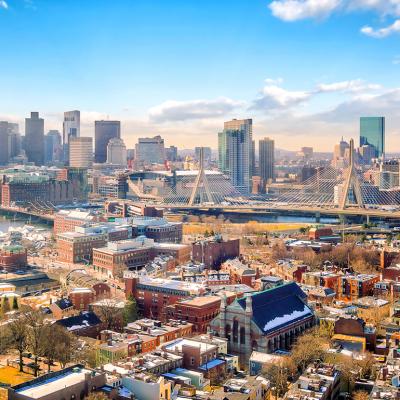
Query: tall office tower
(116, 152)
(103, 132)
(307, 153)
(171, 153)
(71, 128)
(266, 148)
(367, 153)
(81, 152)
(34, 139)
(339, 153)
(235, 152)
(150, 150)
(14, 140)
(372, 132)
(206, 153)
(4, 143)
(52, 147)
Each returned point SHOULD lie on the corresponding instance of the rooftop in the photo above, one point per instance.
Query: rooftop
(42, 387)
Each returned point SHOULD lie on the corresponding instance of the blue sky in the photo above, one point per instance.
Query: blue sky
(304, 70)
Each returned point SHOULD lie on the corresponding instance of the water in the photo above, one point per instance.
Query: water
(7, 222)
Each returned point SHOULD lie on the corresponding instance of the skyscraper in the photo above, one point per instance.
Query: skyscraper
(71, 128)
(103, 132)
(53, 147)
(266, 148)
(372, 132)
(236, 152)
(14, 140)
(81, 152)
(34, 139)
(150, 150)
(4, 147)
(116, 152)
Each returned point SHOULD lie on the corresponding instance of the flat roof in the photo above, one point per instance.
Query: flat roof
(177, 345)
(55, 383)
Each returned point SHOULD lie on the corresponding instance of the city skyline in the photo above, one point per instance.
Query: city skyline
(199, 85)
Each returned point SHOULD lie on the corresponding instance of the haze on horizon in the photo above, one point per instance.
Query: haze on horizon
(304, 70)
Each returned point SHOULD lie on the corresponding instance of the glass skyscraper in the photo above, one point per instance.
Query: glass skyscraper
(235, 152)
(372, 132)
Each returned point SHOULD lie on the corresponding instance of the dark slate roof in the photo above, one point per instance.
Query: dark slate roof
(64, 303)
(81, 321)
(276, 307)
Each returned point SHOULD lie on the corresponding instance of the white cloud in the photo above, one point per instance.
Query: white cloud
(274, 97)
(3, 4)
(383, 7)
(172, 110)
(396, 60)
(352, 86)
(293, 10)
(382, 32)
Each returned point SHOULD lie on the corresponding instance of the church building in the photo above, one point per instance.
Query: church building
(264, 321)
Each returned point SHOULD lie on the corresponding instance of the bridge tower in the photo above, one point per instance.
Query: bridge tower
(201, 179)
(351, 181)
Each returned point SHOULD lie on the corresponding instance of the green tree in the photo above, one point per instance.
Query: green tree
(15, 303)
(130, 313)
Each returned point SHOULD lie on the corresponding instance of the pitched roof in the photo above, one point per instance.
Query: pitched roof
(81, 321)
(276, 307)
(63, 303)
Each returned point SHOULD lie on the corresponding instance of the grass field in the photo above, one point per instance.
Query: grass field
(245, 228)
(11, 376)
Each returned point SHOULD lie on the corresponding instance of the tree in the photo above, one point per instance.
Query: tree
(15, 303)
(67, 348)
(36, 329)
(19, 335)
(58, 344)
(309, 347)
(360, 395)
(110, 314)
(278, 373)
(6, 305)
(130, 312)
(96, 396)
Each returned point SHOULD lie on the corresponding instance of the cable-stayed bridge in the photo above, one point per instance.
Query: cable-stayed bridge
(336, 191)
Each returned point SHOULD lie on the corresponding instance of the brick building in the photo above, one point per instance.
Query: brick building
(352, 287)
(78, 245)
(67, 220)
(158, 229)
(212, 253)
(161, 332)
(81, 298)
(153, 295)
(24, 188)
(199, 311)
(13, 257)
(135, 253)
(240, 272)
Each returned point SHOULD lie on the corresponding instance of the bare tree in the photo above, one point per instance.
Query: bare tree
(278, 373)
(110, 314)
(18, 337)
(36, 329)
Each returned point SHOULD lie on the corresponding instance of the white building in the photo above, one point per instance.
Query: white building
(81, 152)
(116, 152)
